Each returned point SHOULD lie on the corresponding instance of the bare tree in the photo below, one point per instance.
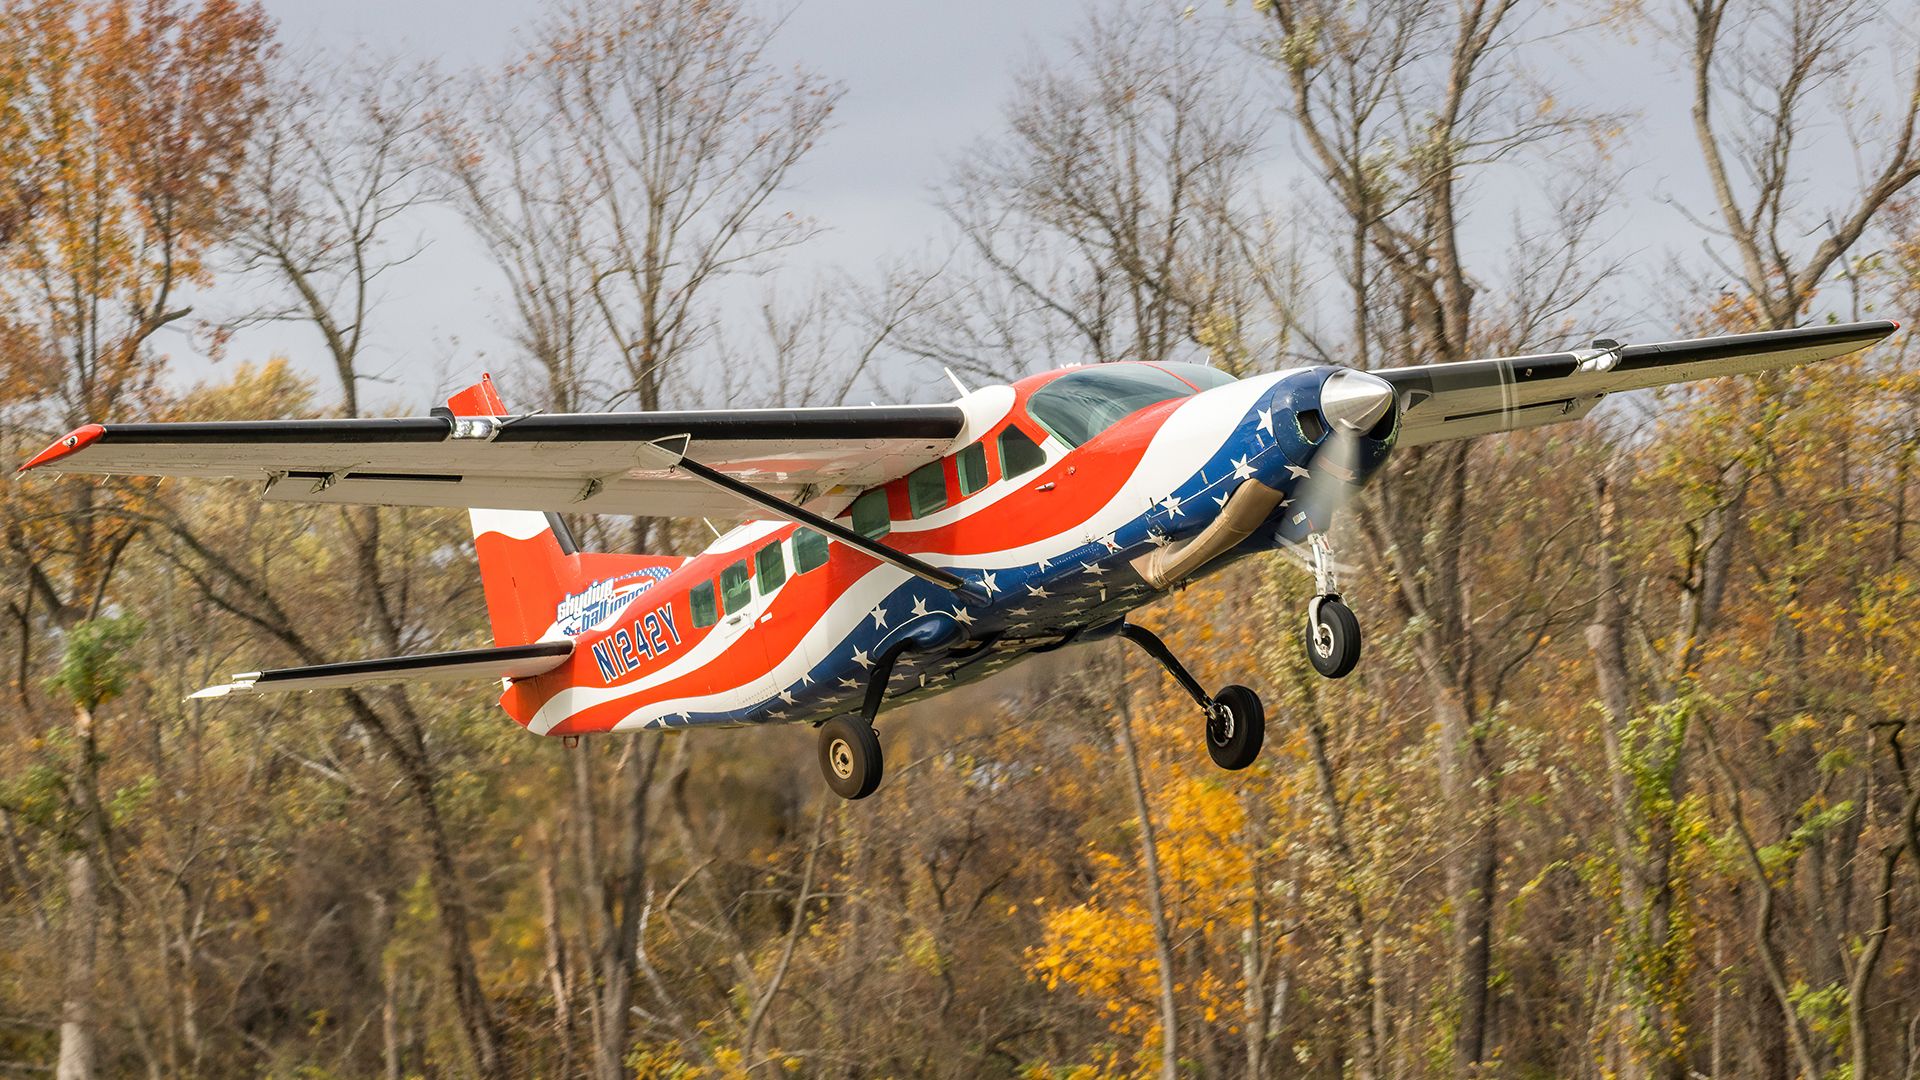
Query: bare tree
(1104, 224)
(335, 174)
(1399, 105)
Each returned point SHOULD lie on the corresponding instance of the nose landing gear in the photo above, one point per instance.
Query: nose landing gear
(1332, 633)
(1236, 725)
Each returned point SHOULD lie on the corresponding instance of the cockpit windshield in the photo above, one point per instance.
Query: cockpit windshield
(1081, 404)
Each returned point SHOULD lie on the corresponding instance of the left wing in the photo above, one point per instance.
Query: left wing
(605, 463)
(1439, 402)
(501, 662)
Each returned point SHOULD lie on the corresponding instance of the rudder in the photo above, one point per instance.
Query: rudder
(527, 562)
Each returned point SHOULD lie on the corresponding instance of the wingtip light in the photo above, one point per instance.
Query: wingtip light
(74, 440)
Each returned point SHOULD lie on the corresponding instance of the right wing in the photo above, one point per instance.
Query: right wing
(1439, 402)
(600, 463)
(500, 662)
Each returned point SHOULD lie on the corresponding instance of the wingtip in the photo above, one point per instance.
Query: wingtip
(72, 442)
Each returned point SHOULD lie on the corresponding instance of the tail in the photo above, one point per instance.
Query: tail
(538, 584)
(528, 564)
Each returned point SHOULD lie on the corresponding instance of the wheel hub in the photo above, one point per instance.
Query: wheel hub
(840, 756)
(1220, 724)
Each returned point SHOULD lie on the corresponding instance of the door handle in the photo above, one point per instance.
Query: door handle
(767, 616)
(1048, 486)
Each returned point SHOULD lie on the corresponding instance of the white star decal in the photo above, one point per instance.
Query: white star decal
(987, 583)
(1037, 591)
(1295, 472)
(1158, 539)
(919, 606)
(1171, 505)
(1108, 542)
(786, 697)
(1284, 503)
(849, 684)
(1241, 470)
(1021, 625)
(963, 616)
(1020, 611)
(779, 714)
(1044, 562)
(806, 680)
(860, 657)
(1220, 500)
(879, 617)
(1093, 568)
(1266, 421)
(906, 660)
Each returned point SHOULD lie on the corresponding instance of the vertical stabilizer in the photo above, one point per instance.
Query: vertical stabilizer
(527, 562)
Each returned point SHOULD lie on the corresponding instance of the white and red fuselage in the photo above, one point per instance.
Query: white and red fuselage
(1049, 542)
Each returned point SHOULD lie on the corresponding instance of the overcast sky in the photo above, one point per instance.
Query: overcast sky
(922, 81)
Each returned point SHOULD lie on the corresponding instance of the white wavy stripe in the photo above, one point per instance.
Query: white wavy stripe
(1170, 459)
(1222, 407)
(512, 524)
(845, 612)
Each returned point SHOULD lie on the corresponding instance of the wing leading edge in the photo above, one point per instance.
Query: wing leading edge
(609, 463)
(1440, 402)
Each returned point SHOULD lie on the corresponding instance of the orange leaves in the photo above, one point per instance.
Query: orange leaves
(123, 124)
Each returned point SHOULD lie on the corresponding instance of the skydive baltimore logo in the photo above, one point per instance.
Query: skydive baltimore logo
(597, 604)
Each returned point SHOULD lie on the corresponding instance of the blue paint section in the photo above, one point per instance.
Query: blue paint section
(1071, 596)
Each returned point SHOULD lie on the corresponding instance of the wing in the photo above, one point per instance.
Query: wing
(608, 463)
(1439, 402)
(503, 662)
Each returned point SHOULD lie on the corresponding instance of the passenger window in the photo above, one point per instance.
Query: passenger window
(736, 586)
(973, 468)
(1018, 454)
(870, 514)
(771, 564)
(705, 611)
(809, 551)
(927, 489)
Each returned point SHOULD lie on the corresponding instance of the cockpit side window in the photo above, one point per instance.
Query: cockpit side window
(1081, 404)
(1018, 454)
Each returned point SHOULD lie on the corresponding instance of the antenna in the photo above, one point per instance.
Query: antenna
(710, 528)
(955, 380)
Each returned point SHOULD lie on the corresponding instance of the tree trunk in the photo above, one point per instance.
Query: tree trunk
(82, 947)
(1156, 905)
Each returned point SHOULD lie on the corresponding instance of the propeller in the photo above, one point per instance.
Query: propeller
(1352, 403)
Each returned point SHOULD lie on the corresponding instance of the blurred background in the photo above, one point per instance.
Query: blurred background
(1622, 787)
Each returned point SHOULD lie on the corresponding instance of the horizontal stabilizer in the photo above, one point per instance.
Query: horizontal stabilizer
(504, 662)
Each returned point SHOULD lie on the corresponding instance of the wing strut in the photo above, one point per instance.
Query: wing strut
(811, 520)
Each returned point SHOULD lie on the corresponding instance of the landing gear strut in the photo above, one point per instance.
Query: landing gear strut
(1332, 633)
(1236, 725)
(849, 750)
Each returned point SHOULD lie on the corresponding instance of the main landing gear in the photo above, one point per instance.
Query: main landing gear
(1236, 725)
(849, 750)
(850, 756)
(1332, 633)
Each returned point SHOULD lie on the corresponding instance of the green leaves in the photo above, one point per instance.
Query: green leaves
(96, 667)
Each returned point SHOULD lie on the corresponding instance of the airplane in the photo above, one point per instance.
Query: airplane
(904, 549)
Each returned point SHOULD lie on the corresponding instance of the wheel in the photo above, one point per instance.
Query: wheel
(1333, 643)
(1236, 728)
(850, 756)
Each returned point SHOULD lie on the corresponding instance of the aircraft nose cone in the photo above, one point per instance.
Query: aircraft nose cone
(1354, 401)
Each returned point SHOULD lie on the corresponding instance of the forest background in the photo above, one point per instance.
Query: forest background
(1623, 786)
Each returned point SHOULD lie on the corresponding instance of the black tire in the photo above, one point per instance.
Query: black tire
(850, 757)
(1335, 656)
(1236, 728)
